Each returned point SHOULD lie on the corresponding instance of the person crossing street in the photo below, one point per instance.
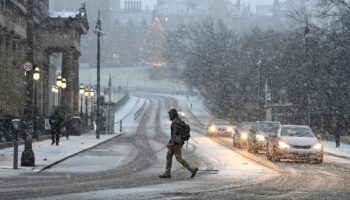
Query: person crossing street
(175, 145)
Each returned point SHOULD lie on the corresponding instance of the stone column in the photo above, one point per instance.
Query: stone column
(2, 70)
(9, 74)
(76, 82)
(67, 95)
(46, 86)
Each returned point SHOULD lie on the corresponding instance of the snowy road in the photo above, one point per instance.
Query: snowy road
(127, 167)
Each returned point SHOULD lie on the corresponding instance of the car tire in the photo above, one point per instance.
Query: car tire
(274, 158)
(268, 156)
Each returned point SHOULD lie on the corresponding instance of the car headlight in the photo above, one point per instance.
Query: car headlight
(229, 129)
(182, 114)
(244, 136)
(260, 137)
(317, 146)
(212, 128)
(283, 145)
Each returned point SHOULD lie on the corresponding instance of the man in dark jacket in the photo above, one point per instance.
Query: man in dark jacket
(56, 121)
(175, 146)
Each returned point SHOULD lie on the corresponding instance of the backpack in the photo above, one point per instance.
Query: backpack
(185, 131)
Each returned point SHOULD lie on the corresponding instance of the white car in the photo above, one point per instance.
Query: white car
(294, 142)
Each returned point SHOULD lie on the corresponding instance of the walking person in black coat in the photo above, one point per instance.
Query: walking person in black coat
(56, 122)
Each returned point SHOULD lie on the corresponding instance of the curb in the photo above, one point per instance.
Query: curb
(336, 155)
(87, 149)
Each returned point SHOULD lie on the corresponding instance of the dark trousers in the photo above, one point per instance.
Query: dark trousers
(55, 137)
(175, 150)
(337, 141)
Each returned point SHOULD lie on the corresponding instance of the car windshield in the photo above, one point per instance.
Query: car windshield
(296, 132)
(220, 122)
(268, 127)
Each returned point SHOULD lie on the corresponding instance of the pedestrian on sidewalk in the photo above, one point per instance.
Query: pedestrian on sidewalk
(334, 126)
(56, 122)
(175, 146)
(68, 126)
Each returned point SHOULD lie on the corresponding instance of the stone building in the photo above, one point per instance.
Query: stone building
(88, 41)
(12, 54)
(52, 33)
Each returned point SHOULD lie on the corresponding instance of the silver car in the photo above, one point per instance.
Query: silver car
(258, 134)
(294, 142)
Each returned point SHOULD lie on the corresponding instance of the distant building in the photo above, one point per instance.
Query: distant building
(124, 24)
(176, 12)
(129, 27)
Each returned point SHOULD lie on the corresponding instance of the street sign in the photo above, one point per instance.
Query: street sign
(28, 66)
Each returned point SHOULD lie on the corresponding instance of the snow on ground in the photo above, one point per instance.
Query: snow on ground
(126, 115)
(343, 150)
(47, 154)
(117, 154)
(132, 77)
(233, 169)
(113, 156)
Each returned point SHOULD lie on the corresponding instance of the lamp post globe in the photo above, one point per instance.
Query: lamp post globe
(36, 73)
(59, 80)
(81, 89)
(64, 83)
(86, 92)
(92, 92)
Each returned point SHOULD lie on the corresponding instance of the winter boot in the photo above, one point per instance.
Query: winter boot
(194, 172)
(165, 176)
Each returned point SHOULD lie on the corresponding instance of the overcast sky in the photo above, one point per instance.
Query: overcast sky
(253, 3)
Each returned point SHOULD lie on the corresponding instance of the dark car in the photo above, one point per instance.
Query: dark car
(241, 133)
(259, 133)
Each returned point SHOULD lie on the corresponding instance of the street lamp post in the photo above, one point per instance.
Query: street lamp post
(86, 93)
(98, 32)
(81, 90)
(59, 84)
(92, 94)
(36, 77)
(28, 157)
(54, 89)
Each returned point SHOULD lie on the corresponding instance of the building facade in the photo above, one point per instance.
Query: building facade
(51, 34)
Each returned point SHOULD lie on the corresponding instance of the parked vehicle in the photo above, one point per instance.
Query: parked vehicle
(219, 127)
(294, 142)
(259, 133)
(241, 133)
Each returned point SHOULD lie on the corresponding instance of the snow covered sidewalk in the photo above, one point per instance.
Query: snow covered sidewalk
(343, 150)
(47, 155)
